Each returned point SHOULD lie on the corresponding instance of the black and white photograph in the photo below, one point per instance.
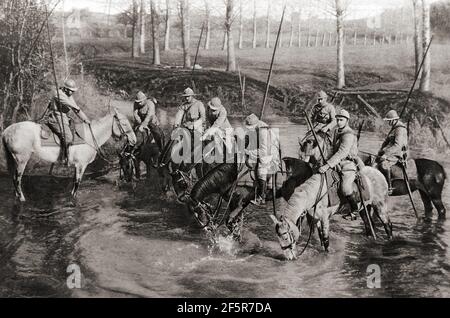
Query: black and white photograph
(230, 150)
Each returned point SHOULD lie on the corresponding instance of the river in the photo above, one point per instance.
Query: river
(144, 244)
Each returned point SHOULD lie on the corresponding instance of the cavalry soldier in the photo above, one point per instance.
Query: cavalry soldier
(345, 153)
(264, 158)
(323, 114)
(192, 114)
(219, 124)
(61, 104)
(144, 112)
(394, 148)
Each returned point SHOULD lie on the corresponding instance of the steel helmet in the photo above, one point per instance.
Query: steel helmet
(322, 95)
(188, 92)
(343, 113)
(391, 115)
(140, 97)
(70, 85)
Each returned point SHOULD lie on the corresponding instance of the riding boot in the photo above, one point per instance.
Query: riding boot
(389, 181)
(352, 200)
(158, 135)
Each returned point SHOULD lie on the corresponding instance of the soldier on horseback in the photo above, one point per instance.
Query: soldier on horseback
(144, 112)
(262, 157)
(61, 104)
(192, 114)
(345, 152)
(394, 148)
(323, 114)
(219, 124)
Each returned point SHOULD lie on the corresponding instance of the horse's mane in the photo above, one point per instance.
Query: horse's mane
(217, 180)
(303, 198)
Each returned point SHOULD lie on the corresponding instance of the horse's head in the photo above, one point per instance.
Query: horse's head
(122, 127)
(288, 235)
(309, 148)
(201, 211)
(181, 184)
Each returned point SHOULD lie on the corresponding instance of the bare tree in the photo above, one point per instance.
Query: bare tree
(340, 83)
(155, 31)
(299, 28)
(167, 27)
(142, 14)
(417, 33)
(231, 57)
(291, 38)
(254, 25)
(183, 10)
(208, 25)
(134, 36)
(268, 25)
(241, 25)
(426, 38)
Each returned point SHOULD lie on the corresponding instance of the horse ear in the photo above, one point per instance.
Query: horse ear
(116, 112)
(274, 219)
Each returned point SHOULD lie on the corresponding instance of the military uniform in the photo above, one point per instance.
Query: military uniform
(263, 157)
(394, 146)
(191, 116)
(345, 151)
(145, 115)
(58, 121)
(219, 124)
(324, 116)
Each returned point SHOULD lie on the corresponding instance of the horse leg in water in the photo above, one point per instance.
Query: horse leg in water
(79, 171)
(325, 224)
(363, 214)
(17, 177)
(380, 210)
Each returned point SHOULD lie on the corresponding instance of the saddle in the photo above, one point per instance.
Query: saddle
(49, 139)
(335, 196)
(411, 170)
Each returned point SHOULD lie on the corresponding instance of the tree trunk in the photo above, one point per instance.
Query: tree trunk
(208, 25)
(268, 26)
(323, 38)
(254, 25)
(231, 57)
(241, 26)
(299, 28)
(134, 35)
(316, 39)
(167, 27)
(355, 38)
(156, 32)
(426, 38)
(142, 27)
(417, 34)
(225, 41)
(291, 38)
(330, 39)
(185, 29)
(340, 45)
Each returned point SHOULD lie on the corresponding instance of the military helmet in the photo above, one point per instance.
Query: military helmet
(322, 95)
(188, 92)
(251, 121)
(391, 115)
(215, 103)
(140, 97)
(70, 85)
(343, 113)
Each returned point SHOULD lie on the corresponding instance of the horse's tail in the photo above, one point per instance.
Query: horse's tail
(10, 161)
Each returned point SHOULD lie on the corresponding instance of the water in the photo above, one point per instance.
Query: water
(145, 244)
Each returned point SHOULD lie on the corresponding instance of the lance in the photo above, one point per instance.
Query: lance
(196, 55)
(266, 93)
(406, 179)
(61, 124)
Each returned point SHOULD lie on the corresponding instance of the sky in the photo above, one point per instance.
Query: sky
(356, 8)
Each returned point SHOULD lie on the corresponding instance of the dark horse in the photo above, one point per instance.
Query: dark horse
(146, 151)
(180, 173)
(430, 177)
(221, 180)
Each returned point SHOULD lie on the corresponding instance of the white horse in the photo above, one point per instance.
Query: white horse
(304, 202)
(23, 139)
